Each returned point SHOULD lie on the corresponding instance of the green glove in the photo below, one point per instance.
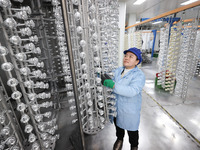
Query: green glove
(104, 77)
(109, 83)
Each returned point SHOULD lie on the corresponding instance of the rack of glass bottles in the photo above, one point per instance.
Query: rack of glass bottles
(94, 53)
(36, 73)
(178, 57)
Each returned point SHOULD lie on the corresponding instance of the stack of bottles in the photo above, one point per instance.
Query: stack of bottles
(186, 57)
(26, 77)
(172, 58)
(162, 59)
(178, 59)
(195, 65)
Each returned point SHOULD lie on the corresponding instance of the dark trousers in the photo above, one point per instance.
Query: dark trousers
(133, 135)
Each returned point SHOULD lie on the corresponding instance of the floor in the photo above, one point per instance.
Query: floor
(167, 122)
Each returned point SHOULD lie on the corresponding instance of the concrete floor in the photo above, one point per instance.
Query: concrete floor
(167, 122)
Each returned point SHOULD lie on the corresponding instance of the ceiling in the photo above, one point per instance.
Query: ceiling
(152, 8)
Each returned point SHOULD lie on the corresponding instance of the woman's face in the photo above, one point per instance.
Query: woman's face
(130, 60)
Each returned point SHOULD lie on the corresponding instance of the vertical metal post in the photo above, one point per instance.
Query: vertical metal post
(154, 40)
(72, 68)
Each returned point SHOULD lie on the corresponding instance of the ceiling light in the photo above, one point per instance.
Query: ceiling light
(188, 2)
(139, 2)
(157, 22)
(137, 21)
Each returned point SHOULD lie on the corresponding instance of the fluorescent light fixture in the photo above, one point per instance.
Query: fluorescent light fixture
(137, 21)
(188, 2)
(157, 22)
(139, 2)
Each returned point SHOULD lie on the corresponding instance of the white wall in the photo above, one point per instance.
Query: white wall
(131, 21)
(122, 17)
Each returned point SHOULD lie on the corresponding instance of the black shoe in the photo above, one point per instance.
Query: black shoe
(118, 145)
(134, 148)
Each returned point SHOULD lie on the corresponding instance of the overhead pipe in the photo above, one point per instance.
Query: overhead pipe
(167, 13)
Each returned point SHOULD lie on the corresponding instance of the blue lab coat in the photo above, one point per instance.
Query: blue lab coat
(128, 90)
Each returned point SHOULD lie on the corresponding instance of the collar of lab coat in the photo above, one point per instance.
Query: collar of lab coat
(131, 71)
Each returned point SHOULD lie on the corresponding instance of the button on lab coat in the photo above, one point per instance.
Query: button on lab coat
(128, 90)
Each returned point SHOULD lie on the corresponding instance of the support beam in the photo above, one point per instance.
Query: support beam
(72, 68)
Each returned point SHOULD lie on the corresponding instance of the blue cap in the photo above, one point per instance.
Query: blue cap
(135, 51)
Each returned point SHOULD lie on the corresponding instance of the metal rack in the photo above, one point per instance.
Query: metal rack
(90, 43)
(52, 55)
